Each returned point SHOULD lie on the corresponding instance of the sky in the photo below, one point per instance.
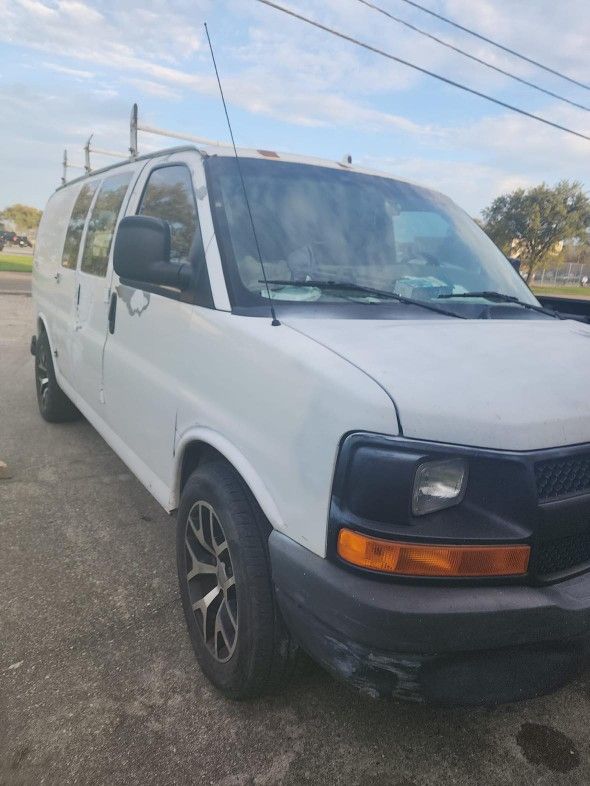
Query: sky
(69, 68)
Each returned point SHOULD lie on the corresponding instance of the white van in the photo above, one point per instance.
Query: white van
(376, 440)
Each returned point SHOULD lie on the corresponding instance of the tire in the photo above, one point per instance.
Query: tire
(237, 633)
(54, 405)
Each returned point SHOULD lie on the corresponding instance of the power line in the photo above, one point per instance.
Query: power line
(495, 43)
(470, 56)
(441, 78)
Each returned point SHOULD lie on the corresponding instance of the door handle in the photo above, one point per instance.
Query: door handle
(112, 313)
(57, 276)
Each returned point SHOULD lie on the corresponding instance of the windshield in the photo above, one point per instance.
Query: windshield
(317, 226)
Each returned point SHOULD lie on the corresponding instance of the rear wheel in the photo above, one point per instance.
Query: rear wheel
(54, 405)
(237, 633)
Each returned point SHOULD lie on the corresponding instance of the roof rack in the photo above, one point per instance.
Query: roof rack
(135, 126)
(66, 165)
(88, 149)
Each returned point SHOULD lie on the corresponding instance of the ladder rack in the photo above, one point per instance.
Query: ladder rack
(66, 165)
(88, 149)
(134, 127)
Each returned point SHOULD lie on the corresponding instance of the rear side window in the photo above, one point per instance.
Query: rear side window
(99, 236)
(169, 195)
(82, 204)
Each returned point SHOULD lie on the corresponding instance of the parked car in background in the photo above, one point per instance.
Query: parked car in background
(376, 441)
(9, 237)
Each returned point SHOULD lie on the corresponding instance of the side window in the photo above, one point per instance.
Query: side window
(101, 226)
(169, 195)
(82, 204)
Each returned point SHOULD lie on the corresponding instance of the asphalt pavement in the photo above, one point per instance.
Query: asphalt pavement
(98, 683)
(15, 283)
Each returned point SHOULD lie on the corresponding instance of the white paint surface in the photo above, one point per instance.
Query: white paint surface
(506, 384)
(277, 401)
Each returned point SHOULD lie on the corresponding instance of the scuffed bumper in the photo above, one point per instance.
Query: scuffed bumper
(457, 645)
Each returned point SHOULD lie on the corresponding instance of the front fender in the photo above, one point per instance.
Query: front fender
(236, 458)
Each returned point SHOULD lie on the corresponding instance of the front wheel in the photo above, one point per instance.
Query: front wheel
(238, 636)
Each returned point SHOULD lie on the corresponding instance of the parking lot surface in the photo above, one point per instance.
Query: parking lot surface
(98, 683)
(15, 283)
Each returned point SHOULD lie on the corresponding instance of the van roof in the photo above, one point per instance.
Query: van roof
(211, 149)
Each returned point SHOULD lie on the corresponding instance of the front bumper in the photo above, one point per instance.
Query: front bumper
(445, 644)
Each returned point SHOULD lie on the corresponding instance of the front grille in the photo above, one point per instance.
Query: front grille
(563, 554)
(563, 477)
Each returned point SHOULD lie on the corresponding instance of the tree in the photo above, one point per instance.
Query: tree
(534, 222)
(24, 217)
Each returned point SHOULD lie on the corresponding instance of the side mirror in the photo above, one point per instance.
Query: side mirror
(142, 254)
(515, 263)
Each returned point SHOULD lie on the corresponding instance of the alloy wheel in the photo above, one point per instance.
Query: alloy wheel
(211, 581)
(42, 371)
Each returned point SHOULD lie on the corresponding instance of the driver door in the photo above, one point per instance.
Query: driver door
(149, 343)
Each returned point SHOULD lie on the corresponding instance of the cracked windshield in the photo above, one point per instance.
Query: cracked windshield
(329, 235)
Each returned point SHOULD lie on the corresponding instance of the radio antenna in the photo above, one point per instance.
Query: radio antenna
(275, 321)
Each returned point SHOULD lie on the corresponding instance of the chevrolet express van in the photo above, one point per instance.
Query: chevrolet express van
(375, 439)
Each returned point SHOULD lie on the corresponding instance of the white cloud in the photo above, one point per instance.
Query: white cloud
(155, 88)
(117, 40)
(470, 184)
(77, 73)
(276, 61)
(36, 9)
(276, 68)
(546, 31)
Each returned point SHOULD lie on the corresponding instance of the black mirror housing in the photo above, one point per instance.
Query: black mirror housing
(142, 253)
(141, 242)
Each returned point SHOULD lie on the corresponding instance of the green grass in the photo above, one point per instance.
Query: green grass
(16, 262)
(564, 291)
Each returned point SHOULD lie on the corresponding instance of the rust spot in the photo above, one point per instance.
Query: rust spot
(544, 745)
(269, 153)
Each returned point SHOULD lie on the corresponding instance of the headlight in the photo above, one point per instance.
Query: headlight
(438, 485)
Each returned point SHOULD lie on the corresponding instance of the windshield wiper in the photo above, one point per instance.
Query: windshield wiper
(500, 297)
(350, 285)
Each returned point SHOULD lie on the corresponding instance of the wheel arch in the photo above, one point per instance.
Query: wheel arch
(42, 326)
(202, 444)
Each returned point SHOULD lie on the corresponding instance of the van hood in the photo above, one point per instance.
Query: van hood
(504, 384)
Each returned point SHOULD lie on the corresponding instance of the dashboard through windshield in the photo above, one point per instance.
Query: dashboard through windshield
(318, 228)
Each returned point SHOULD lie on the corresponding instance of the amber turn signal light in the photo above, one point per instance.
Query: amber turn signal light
(419, 559)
